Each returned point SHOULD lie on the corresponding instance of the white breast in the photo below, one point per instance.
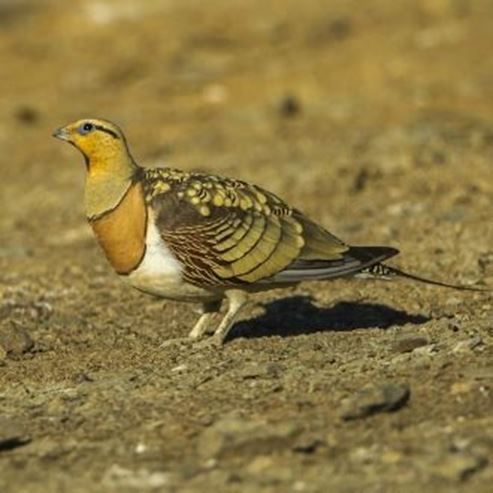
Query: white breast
(158, 260)
(159, 267)
(160, 272)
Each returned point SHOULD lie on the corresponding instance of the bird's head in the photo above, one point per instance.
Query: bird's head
(100, 141)
(110, 167)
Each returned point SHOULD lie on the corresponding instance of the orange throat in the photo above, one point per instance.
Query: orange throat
(121, 231)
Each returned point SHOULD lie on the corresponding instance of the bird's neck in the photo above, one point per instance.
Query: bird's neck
(107, 181)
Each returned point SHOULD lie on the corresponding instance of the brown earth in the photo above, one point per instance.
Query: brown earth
(375, 118)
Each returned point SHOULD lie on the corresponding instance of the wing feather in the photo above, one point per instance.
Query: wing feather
(228, 233)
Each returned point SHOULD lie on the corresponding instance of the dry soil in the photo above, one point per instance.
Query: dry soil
(375, 118)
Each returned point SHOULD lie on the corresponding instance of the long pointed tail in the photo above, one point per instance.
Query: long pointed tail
(383, 271)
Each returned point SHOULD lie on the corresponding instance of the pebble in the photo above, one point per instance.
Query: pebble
(459, 466)
(260, 464)
(255, 370)
(231, 436)
(468, 344)
(266, 472)
(15, 340)
(408, 343)
(308, 444)
(119, 477)
(374, 399)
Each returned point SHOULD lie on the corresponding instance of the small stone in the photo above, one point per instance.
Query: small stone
(232, 436)
(468, 344)
(459, 466)
(307, 444)
(426, 351)
(362, 455)
(141, 479)
(315, 358)
(374, 399)
(267, 472)
(82, 377)
(16, 340)
(255, 370)
(408, 343)
(260, 464)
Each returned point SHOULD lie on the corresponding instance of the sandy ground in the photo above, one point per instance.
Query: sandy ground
(375, 118)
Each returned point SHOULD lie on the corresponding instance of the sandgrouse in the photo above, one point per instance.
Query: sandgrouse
(201, 238)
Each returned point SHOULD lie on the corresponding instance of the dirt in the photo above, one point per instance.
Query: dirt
(375, 118)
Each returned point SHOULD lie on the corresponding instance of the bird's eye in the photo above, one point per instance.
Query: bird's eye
(85, 128)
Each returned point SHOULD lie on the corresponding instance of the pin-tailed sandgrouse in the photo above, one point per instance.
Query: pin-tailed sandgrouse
(201, 238)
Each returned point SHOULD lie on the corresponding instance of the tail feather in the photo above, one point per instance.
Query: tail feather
(383, 271)
(353, 260)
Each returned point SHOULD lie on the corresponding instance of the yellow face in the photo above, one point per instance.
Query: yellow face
(96, 139)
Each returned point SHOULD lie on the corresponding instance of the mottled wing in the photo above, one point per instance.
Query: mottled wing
(229, 233)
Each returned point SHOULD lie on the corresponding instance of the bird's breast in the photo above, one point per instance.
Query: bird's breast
(121, 232)
(160, 272)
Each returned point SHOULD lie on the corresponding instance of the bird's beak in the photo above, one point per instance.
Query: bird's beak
(62, 134)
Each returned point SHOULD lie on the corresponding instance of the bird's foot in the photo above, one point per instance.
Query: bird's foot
(212, 342)
(202, 342)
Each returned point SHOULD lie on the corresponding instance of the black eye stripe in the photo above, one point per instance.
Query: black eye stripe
(108, 131)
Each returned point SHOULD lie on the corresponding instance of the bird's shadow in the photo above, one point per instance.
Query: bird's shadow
(297, 315)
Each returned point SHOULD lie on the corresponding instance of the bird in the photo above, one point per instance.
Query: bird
(202, 238)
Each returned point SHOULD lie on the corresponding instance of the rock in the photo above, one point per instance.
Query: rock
(265, 470)
(12, 434)
(16, 340)
(408, 343)
(374, 399)
(307, 444)
(141, 479)
(459, 466)
(260, 464)
(232, 436)
(468, 344)
(255, 370)
(315, 358)
(363, 455)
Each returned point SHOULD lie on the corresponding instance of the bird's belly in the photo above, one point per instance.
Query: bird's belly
(170, 287)
(160, 273)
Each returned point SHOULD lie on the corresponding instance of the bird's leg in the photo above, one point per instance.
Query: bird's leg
(237, 300)
(203, 325)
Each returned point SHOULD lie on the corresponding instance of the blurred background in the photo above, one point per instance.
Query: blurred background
(374, 117)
